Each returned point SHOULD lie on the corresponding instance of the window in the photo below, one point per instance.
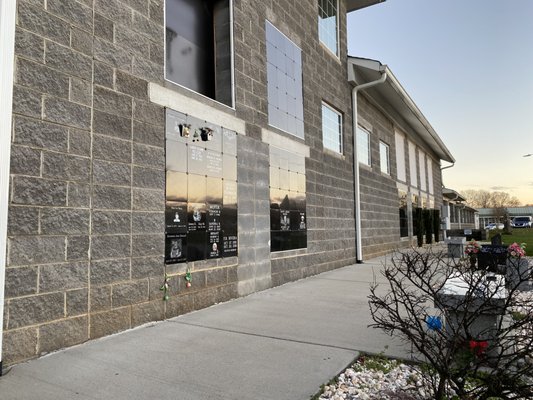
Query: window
(284, 79)
(430, 176)
(363, 146)
(422, 167)
(331, 128)
(384, 161)
(400, 157)
(412, 165)
(327, 24)
(198, 48)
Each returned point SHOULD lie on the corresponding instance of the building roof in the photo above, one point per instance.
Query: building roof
(513, 211)
(353, 5)
(392, 98)
(452, 195)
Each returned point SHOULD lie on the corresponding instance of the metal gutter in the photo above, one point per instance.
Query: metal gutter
(357, 193)
(7, 49)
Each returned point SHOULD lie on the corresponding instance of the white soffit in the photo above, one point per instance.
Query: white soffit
(396, 102)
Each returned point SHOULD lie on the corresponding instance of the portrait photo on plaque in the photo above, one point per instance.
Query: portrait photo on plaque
(175, 248)
(214, 244)
(176, 186)
(175, 217)
(196, 217)
(196, 246)
(285, 220)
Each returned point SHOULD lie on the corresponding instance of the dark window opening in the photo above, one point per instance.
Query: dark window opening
(198, 47)
(404, 219)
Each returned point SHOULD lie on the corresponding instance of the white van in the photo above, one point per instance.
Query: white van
(521, 222)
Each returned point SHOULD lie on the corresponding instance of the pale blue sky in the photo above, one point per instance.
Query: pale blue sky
(468, 65)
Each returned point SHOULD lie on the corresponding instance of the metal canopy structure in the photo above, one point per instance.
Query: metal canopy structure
(394, 101)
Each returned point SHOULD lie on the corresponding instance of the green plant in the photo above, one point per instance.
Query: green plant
(465, 359)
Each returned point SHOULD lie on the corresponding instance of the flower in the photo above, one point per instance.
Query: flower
(516, 250)
(478, 347)
(472, 247)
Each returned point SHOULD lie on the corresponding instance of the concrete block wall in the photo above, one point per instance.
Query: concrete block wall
(86, 216)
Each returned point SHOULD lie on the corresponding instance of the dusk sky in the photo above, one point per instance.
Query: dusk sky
(468, 65)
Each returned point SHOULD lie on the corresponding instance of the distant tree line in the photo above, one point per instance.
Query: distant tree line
(486, 199)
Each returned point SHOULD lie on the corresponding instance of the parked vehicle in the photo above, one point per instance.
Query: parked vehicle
(493, 226)
(521, 222)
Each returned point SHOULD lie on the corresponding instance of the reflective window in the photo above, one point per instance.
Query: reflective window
(363, 146)
(384, 161)
(327, 24)
(198, 47)
(400, 157)
(284, 79)
(331, 128)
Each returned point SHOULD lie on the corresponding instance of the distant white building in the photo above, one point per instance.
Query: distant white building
(488, 215)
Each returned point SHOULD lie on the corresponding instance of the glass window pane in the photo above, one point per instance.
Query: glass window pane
(384, 158)
(363, 146)
(331, 129)
(327, 24)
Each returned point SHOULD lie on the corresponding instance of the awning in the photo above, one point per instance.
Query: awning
(352, 5)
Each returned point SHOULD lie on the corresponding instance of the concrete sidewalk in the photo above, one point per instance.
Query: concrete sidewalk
(281, 343)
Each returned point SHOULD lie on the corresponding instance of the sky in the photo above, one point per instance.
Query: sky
(468, 65)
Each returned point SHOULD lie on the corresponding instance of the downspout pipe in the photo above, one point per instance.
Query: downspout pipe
(7, 50)
(357, 194)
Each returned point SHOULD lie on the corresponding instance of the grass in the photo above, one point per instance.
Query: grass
(520, 235)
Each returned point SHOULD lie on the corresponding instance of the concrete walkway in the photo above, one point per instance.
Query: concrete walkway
(282, 343)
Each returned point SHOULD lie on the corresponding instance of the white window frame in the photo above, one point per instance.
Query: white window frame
(422, 167)
(384, 162)
(401, 171)
(413, 172)
(360, 131)
(326, 140)
(336, 51)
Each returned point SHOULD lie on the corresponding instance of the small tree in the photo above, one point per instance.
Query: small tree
(444, 330)
(419, 224)
(428, 225)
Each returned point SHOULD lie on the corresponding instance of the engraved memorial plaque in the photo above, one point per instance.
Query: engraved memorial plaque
(196, 217)
(213, 164)
(175, 248)
(229, 142)
(229, 245)
(197, 161)
(214, 244)
(176, 217)
(274, 177)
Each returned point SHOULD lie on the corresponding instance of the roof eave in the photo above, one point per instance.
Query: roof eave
(361, 70)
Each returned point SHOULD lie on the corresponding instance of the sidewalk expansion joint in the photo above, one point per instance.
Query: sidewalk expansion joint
(329, 346)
